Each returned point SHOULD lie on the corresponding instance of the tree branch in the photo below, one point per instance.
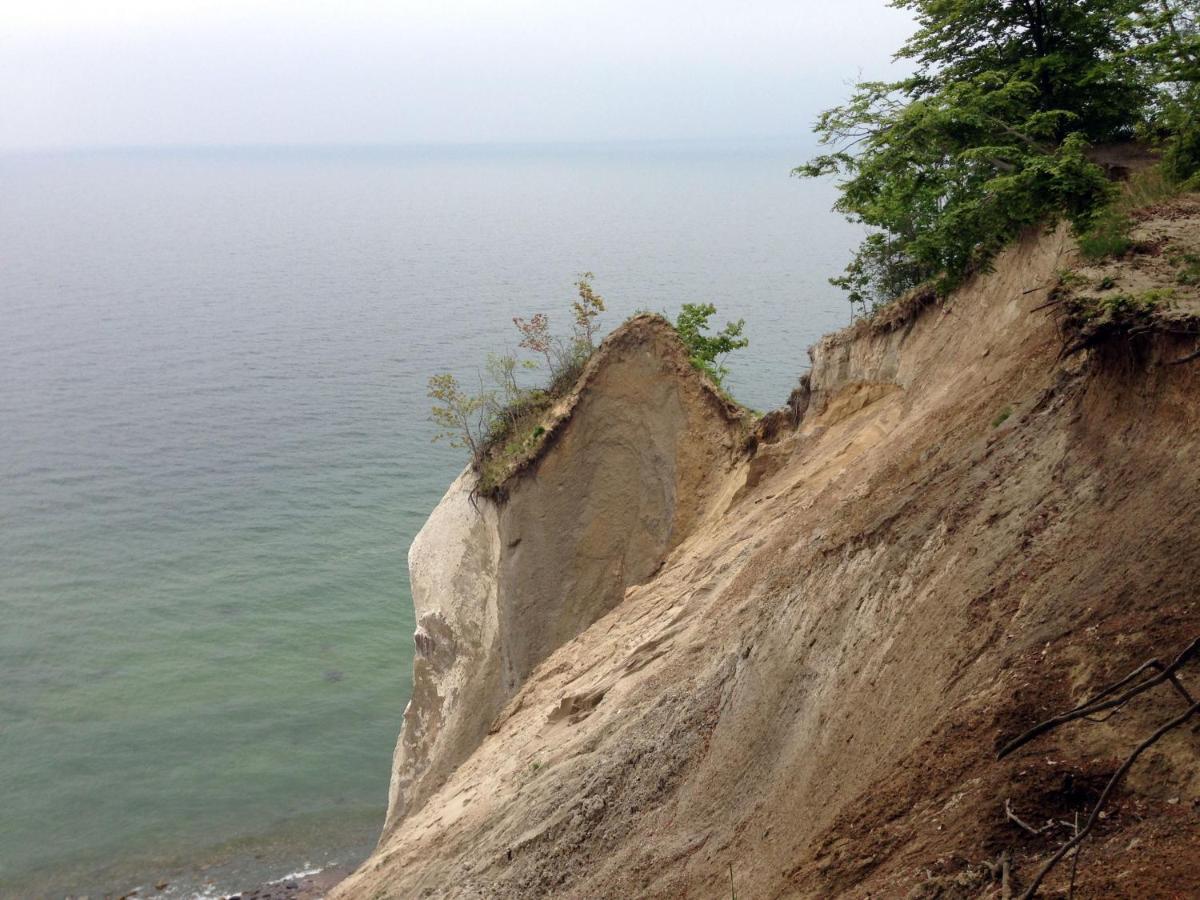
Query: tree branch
(1099, 704)
(1108, 789)
(1179, 362)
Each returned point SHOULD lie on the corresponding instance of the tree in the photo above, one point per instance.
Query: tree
(707, 352)
(1072, 52)
(586, 310)
(457, 413)
(988, 136)
(535, 336)
(1166, 39)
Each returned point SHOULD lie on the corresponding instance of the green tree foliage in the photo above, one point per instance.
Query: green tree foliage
(457, 413)
(708, 351)
(990, 134)
(1166, 39)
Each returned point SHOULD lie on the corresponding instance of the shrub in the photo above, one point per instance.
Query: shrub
(1181, 159)
(708, 351)
(458, 414)
(505, 419)
(587, 310)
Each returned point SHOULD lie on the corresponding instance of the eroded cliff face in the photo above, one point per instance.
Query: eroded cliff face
(808, 678)
(629, 467)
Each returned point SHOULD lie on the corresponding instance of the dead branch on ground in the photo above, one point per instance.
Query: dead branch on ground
(1112, 697)
(1015, 819)
(1001, 870)
(1099, 703)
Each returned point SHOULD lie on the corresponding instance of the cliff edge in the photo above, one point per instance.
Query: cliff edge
(628, 465)
(678, 655)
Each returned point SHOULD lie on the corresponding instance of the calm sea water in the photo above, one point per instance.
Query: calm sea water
(214, 452)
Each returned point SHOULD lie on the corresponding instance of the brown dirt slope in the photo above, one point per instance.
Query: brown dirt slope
(964, 535)
(629, 463)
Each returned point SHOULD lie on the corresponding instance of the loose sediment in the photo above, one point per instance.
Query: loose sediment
(680, 650)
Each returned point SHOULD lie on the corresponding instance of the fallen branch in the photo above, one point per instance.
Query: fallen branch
(1001, 870)
(1052, 302)
(1108, 789)
(1112, 697)
(1098, 703)
(1074, 861)
(1014, 818)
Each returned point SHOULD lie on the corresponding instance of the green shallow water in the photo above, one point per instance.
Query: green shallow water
(214, 455)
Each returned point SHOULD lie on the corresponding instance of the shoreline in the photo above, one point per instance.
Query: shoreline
(312, 886)
(303, 885)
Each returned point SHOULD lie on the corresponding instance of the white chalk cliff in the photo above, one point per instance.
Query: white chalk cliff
(498, 587)
(684, 650)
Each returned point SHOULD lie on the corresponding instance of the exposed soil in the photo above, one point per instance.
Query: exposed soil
(965, 534)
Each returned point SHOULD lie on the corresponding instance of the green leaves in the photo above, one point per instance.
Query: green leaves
(456, 412)
(989, 136)
(707, 351)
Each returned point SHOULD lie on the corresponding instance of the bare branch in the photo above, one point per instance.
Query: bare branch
(1098, 703)
(1014, 818)
(1108, 789)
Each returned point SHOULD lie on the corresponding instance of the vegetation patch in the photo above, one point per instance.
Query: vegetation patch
(1117, 308)
(1088, 319)
(1110, 234)
(901, 311)
(1187, 266)
(507, 424)
(997, 130)
(506, 420)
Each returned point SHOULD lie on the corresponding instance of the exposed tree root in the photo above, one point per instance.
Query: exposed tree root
(1112, 697)
(1099, 703)
(1185, 359)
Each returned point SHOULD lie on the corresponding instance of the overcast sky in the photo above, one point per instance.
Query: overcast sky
(218, 72)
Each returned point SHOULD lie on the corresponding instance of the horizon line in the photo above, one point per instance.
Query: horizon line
(266, 146)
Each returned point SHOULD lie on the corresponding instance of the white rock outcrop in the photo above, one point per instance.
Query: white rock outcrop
(499, 586)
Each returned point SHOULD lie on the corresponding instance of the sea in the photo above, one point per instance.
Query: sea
(215, 449)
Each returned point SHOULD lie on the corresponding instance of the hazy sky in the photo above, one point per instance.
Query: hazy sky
(137, 72)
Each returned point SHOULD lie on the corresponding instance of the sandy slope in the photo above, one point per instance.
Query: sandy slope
(963, 535)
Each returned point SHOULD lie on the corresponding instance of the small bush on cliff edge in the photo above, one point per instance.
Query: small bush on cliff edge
(708, 351)
(504, 419)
